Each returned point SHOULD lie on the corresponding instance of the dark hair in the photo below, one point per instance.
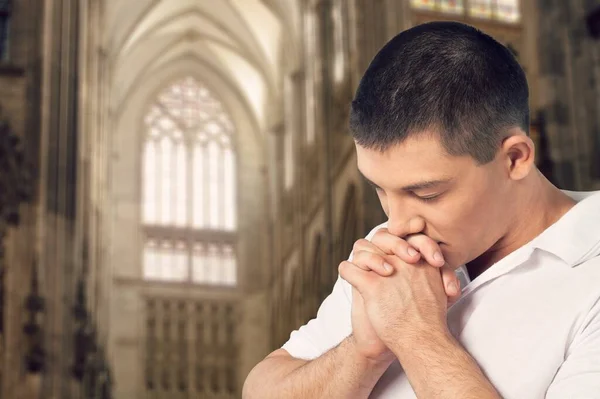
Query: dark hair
(446, 78)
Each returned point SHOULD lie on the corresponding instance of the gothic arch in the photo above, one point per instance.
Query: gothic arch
(126, 143)
(188, 178)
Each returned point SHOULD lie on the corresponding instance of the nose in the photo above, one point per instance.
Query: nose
(403, 221)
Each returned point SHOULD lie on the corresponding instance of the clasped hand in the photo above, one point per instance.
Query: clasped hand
(399, 293)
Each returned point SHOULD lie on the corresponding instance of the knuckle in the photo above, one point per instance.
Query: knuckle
(399, 246)
(365, 260)
(422, 242)
(376, 258)
(414, 238)
(380, 233)
(342, 266)
(359, 256)
(381, 264)
(358, 244)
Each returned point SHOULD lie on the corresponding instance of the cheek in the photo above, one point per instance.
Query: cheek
(458, 219)
(471, 222)
(383, 201)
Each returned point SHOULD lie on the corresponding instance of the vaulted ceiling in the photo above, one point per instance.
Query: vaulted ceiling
(249, 43)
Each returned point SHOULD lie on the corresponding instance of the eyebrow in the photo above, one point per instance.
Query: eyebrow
(422, 185)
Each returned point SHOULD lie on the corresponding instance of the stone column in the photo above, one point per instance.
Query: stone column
(58, 185)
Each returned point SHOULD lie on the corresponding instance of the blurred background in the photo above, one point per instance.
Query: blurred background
(178, 184)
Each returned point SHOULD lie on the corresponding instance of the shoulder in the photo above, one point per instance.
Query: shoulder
(582, 285)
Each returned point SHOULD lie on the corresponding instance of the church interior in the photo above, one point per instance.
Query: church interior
(178, 184)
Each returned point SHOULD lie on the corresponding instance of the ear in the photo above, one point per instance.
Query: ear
(519, 153)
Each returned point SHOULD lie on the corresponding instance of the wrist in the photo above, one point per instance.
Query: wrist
(418, 338)
(382, 361)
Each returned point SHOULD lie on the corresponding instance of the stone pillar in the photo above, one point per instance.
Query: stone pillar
(58, 187)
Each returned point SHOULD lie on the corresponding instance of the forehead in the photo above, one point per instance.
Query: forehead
(415, 159)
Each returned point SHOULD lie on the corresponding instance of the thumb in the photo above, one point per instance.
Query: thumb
(451, 283)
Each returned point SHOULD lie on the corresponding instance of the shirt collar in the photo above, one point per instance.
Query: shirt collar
(575, 237)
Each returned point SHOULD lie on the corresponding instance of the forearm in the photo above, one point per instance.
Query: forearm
(439, 367)
(339, 373)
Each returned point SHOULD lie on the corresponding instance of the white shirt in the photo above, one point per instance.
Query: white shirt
(531, 321)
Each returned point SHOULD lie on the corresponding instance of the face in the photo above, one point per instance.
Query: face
(453, 200)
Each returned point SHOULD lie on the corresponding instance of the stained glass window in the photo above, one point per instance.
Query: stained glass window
(508, 10)
(480, 8)
(189, 187)
(500, 10)
(452, 6)
(424, 4)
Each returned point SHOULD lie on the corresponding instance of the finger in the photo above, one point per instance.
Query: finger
(390, 244)
(428, 248)
(451, 282)
(371, 261)
(355, 276)
(366, 245)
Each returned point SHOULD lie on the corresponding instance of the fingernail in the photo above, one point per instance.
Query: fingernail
(411, 251)
(453, 288)
(438, 256)
(388, 267)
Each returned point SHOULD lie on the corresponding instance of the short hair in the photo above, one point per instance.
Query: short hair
(447, 78)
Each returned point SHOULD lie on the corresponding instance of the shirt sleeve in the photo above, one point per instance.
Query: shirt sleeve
(332, 324)
(579, 375)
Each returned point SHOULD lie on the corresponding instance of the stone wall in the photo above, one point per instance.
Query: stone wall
(20, 108)
(568, 85)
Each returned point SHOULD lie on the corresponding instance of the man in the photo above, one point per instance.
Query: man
(440, 121)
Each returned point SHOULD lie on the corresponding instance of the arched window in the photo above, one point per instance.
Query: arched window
(500, 10)
(189, 188)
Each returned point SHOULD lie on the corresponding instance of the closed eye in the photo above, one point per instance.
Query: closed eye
(429, 198)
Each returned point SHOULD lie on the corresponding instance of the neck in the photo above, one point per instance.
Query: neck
(542, 205)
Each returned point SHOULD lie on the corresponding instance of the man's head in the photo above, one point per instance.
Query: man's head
(440, 121)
